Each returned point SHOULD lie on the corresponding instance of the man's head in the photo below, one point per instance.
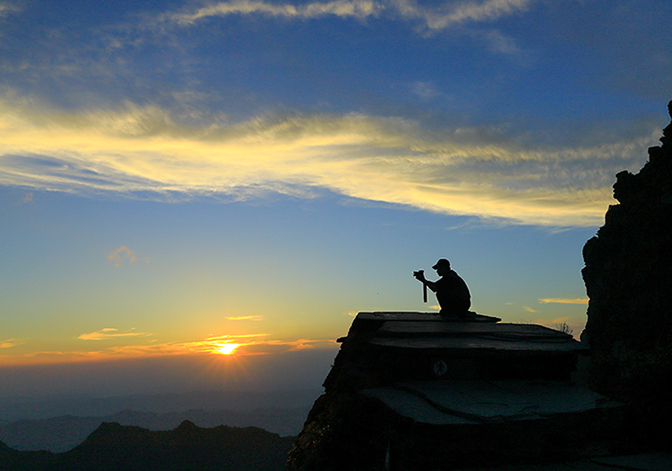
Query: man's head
(442, 266)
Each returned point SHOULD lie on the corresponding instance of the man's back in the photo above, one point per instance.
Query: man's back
(453, 294)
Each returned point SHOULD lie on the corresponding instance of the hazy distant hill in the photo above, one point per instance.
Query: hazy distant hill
(114, 447)
(61, 434)
(13, 409)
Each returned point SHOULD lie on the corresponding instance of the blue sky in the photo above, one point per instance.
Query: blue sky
(180, 176)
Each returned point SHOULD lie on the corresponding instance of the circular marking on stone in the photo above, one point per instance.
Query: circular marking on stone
(440, 368)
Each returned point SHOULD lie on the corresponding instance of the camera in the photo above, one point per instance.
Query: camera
(418, 273)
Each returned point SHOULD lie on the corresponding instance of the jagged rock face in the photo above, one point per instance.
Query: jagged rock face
(628, 277)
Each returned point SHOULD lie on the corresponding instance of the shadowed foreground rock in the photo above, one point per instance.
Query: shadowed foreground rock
(413, 391)
(628, 277)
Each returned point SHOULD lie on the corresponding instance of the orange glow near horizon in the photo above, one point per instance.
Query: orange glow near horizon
(238, 345)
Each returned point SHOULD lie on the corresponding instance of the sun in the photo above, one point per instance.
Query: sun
(227, 348)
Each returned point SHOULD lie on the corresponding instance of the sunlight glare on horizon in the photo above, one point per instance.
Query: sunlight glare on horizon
(227, 348)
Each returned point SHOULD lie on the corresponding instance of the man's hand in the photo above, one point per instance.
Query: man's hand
(419, 275)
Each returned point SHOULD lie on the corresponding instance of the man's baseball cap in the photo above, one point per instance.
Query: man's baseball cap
(442, 262)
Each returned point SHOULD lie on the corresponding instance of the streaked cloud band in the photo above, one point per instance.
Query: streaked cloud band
(111, 333)
(391, 160)
(341, 8)
(9, 343)
(432, 18)
(564, 301)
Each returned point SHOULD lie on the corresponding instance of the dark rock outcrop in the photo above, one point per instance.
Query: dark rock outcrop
(414, 391)
(628, 277)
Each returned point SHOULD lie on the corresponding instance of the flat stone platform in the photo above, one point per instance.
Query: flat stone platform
(453, 402)
(406, 316)
(476, 332)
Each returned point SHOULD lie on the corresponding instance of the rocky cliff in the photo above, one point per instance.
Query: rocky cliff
(628, 277)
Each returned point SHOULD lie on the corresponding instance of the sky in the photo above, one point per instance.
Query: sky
(204, 193)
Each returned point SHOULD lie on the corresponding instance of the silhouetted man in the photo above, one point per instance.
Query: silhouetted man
(451, 290)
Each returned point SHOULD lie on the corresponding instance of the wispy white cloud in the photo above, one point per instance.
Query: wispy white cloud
(7, 8)
(500, 43)
(9, 343)
(488, 10)
(341, 8)
(282, 346)
(564, 301)
(425, 90)
(392, 160)
(245, 318)
(122, 253)
(431, 18)
(110, 333)
(237, 337)
(459, 13)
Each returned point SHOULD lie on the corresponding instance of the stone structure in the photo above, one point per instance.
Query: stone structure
(628, 277)
(415, 391)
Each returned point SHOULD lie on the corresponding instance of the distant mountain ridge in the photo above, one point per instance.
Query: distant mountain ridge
(60, 434)
(17, 408)
(115, 447)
